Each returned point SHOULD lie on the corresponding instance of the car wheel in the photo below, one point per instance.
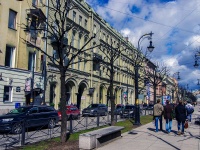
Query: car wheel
(52, 123)
(17, 128)
(78, 116)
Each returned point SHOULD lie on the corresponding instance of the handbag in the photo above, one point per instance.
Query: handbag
(186, 125)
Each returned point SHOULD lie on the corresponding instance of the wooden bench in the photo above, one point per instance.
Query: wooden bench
(97, 138)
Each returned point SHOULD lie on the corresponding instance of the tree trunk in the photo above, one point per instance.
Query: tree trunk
(154, 90)
(63, 136)
(112, 98)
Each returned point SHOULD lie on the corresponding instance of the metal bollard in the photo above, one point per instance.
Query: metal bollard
(98, 120)
(23, 133)
(70, 124)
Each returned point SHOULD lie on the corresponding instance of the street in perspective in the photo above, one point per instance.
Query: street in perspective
(92, 74)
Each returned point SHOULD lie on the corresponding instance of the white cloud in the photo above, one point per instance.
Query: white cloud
(175, 26)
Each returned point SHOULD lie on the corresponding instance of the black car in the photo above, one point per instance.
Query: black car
(95, 109)
(128, 111)
(32, 116)
(119, 109)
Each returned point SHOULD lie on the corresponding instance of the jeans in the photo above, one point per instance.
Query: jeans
(158, 118)
(189, 117)
(181, 123)
(168, 125)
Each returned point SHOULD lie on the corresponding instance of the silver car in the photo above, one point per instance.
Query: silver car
(95, 110)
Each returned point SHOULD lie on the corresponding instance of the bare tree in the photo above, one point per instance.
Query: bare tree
(112, 53)
(156, 74)
(56, 27)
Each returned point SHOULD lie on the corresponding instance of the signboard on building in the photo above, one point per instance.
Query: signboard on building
(164, 98)
(27, 85)
(18, 89)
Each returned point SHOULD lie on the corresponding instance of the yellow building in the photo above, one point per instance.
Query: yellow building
(86, 82)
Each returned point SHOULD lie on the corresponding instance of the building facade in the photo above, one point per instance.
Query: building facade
(86, 82)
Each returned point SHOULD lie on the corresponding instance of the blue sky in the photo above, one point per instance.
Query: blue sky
(175, 24)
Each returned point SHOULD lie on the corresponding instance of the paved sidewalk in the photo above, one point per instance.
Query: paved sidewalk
(144, 138)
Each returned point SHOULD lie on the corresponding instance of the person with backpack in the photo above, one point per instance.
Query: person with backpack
(189, 110)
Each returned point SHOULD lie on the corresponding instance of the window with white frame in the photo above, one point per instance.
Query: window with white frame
(73, 38)
(79, 41)
(31, 60)
(79, 63)
(9, 56)
(7, 94)
(85, 23)
(12, 19)
(74, 16)
(35, 3)
(80, 20)
(95, 29)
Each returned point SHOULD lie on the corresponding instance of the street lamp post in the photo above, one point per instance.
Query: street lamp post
(136, 68)
(178, 78)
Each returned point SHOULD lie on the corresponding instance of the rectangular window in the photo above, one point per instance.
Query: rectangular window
(95, 29)
(9, 56)
(31, 60)
(12, 19)
(35, 3)
(74, 16)
(79, 63)
(7, 96)
(73, 38)
(85, 23)
(80, 20)
(33, 30)
(79, 42)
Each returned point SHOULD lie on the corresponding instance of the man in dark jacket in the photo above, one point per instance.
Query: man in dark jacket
(168, 111)
(180, 117)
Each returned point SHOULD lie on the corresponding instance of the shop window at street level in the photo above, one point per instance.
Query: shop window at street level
(7, 94)
(9, 56)
(12, 19)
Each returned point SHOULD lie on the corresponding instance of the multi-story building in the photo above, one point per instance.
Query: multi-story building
(17, 57)
(86, 81)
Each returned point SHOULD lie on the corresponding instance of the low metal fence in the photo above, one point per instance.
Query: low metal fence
(28, 135)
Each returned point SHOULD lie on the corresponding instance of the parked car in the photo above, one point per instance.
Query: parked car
(144, 106)
(95, 109)
(70, 110)
(32, 115)
(119, 109)
(128, 111)
(150, 106)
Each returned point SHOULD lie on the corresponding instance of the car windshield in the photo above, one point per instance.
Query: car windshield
(129, 107)
(93, 106)
(19, 110)
(118, 107)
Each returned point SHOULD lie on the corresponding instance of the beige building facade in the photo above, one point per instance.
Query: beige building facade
(86, 82)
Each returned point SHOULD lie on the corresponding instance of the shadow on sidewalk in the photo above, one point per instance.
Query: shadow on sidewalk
(153, 129)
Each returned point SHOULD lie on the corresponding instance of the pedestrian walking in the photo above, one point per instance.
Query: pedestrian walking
(157, 113)
(189, 110)
(180, 111)
(168, 116)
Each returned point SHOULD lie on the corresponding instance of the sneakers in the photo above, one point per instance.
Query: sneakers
(182, 133)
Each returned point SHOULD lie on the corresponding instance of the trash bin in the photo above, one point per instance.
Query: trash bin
(17, 105)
